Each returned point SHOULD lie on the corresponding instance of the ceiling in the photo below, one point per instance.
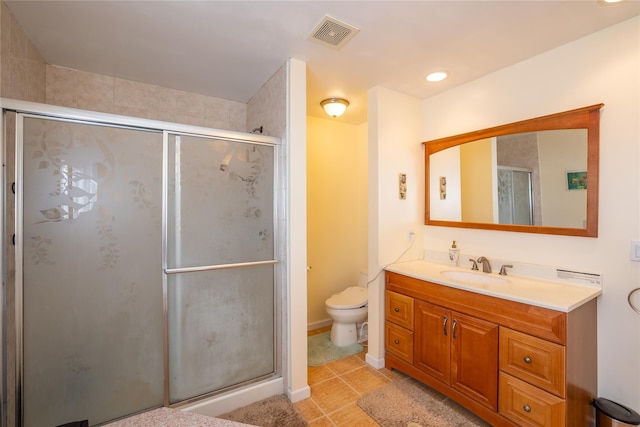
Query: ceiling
(229, 49)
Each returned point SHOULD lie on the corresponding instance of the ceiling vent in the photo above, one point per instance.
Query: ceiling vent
(333, 32)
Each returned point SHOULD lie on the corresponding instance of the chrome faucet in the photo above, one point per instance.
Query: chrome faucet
(486, 267)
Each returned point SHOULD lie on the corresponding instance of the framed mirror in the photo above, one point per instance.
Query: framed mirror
(534, 176)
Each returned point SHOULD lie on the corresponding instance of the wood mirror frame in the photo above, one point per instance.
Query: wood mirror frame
(581, 118)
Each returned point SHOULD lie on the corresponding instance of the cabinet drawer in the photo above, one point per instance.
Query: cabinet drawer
(399, 341)
(527, 405)
(533, 360)
(399, 309)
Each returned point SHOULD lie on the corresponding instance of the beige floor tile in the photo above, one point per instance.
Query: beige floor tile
(322, 422)
(309, 410)
(317, 374)
(365, 379)
(345, 364)
(392, 375)
(333, 394)
(363, 354)
(352, 416)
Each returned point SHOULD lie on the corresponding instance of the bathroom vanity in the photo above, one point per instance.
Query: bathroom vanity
(515, 351)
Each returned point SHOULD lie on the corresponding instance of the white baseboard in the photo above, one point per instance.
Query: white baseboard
(299, 394)
(226, 403)
(376, 363)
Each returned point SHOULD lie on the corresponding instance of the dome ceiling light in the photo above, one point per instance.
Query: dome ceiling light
(334, 106)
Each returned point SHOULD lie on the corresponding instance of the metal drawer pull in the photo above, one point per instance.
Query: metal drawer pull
(397, 310)
(444, 325)
(396, 341)
(526, 408)
(527, 359)
(453, 329)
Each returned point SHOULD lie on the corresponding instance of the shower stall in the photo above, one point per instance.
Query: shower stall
(140, 265)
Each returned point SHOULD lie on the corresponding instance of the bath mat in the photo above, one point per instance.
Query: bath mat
(321, 350)
(407, 401)
(167, 417)
(275, 411)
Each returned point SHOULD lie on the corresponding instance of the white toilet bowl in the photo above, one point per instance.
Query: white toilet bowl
(347, 308)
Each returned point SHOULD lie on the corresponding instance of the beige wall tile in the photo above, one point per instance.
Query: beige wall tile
(95, 92)
(190, 105)
(268, 106)
(22, 68)
(25, 75)
(60, 86)
(143, 96)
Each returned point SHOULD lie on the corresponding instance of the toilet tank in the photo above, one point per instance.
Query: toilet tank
(363, 279)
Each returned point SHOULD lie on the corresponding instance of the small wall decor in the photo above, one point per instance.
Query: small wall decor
(403, 186)
(577, 180)
(443, 187)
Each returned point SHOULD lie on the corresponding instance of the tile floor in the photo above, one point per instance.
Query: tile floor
(336, 387)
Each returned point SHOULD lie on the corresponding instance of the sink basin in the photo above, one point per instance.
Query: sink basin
(472, 277)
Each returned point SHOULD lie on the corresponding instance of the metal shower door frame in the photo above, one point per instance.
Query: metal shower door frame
(31, 109)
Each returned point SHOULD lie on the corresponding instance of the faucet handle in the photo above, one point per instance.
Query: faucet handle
(475, 264)
(503, 271)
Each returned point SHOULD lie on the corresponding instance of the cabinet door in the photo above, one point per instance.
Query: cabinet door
(431, 340)
(474, 358)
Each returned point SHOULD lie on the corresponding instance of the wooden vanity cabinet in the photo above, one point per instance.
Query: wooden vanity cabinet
(511, 363)
(458, 350)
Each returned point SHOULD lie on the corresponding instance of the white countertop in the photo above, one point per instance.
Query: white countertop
(554, 295)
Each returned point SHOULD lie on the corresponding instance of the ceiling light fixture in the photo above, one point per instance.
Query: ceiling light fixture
(334, 106)
(437, 76)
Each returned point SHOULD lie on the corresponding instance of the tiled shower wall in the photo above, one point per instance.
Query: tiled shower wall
(22, 68)
(26, 76)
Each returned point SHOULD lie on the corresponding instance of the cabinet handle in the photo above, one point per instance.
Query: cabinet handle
(396, 341)
(527, 359)
(444, 325)
(526, 408)
(397, 310)
(453, 329)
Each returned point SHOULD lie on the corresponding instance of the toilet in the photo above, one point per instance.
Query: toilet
(347, 308)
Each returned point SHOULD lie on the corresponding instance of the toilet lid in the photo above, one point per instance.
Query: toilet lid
(353, 297)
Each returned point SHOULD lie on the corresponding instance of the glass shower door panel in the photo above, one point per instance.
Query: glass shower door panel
(92, 278)
(221, 329)
(220, 202)
(220, 211)
(522, 190)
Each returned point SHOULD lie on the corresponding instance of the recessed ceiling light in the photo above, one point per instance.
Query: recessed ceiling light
(437, 76)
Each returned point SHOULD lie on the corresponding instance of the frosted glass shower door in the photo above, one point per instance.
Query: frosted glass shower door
(92, 278)
(220, 264)
(515, 200)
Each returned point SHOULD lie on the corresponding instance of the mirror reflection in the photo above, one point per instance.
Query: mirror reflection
(532, 178)
(537, 176)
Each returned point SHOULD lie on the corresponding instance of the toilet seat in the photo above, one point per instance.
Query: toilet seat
(352, 297)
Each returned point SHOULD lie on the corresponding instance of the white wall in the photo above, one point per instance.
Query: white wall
(602, 67)
(395, 128)
(295, 304)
